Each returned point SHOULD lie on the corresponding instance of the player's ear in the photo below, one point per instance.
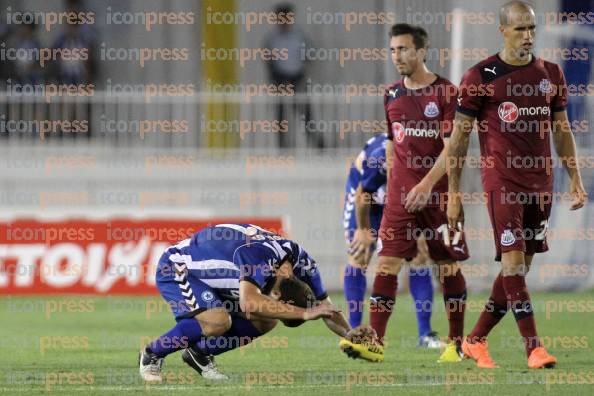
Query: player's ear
(422, 53)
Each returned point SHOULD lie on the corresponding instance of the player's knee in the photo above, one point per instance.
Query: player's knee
(214, 322)
(513, 263)
(389, 265)
(358, 262)
(446, 269)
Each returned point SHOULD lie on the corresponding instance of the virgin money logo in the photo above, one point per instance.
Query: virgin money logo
(508, 112)
(398, 132)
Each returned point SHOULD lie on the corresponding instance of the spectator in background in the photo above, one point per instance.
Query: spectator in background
(25, 69)
(77, 68)
(290, 71)
(80, 68)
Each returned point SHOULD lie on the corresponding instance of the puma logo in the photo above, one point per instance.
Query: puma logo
(491, 70)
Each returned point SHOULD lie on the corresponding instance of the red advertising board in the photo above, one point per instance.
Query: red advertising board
(113, 256)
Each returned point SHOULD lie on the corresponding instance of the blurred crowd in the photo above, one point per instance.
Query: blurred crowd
(26, 69)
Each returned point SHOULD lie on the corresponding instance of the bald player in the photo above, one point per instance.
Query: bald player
(513, 129)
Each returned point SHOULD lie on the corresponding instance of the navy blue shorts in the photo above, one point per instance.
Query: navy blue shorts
(186, 295)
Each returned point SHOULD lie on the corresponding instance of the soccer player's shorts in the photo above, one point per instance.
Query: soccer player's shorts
(400, 229)
(520, 221)
(186, 295)
(350, 222)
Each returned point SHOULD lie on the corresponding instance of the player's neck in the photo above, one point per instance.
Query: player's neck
(508, 56)
(421, 78)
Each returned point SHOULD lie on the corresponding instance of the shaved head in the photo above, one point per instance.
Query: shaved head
(513, 10)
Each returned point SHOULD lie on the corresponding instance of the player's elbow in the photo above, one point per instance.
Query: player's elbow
(248, 304)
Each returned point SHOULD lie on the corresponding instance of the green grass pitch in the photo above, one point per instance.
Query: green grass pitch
(89, 345)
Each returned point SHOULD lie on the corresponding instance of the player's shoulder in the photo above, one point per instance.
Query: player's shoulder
(477, 72)
(393, 89)
(491, 60)
(375, 143)
(444, 88)
(551, 67)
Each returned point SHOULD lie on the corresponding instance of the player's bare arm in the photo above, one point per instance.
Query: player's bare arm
(252, 301)
(417, 198)
(363, 237)
(336, 323)
(565, 148)
(389, 159)
(456, 155)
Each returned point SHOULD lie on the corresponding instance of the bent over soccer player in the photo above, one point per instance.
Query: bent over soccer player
(514, 127)
(231, 281)
(419, 112)
(363, 209)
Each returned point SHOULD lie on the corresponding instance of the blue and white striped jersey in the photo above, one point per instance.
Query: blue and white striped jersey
(369, 169)
(222, 255)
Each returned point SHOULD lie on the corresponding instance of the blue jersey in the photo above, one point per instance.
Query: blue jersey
(223, 255)
(369, 170)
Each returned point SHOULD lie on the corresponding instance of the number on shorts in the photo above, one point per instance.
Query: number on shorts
(542, 233)
(444, 229)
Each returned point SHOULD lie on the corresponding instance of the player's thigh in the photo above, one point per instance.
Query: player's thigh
(443, 243)
(397, 233)
(214, 322)
(189, 297)
(389, 265)
(263, 325)
(536, 223)
(506, 212)
(445, 268)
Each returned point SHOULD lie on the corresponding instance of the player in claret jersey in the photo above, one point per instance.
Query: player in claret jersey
(363, 209)
(514, 129)
(419, 112)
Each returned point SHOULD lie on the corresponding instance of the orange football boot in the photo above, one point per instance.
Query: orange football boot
(540, 358)
(478, 351)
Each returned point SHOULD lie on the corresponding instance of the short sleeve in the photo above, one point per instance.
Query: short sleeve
(559, 102)
(306, 270)
(388, 124)
(373, 171)
(449, 111)
(469, 99)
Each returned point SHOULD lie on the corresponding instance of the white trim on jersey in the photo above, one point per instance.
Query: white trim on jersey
(275, 247)
(222, 283)
(211, 264)
(180, 258)
(234, 226)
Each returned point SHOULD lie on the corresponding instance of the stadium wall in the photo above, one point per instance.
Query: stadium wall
(306, 191)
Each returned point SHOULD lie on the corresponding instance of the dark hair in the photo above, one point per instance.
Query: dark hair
(419, 35)
(296, 292)
(284, 8)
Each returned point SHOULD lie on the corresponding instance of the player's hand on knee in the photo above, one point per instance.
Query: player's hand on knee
(361, 245)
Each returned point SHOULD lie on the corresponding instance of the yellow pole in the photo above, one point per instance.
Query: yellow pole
(221, 118)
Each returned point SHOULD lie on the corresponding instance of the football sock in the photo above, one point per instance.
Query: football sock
(518, 300)
(241, 333)
(495, 310)
(185, 333)
(421, 289)
(354, 293)
(454, 297)
(383, 297)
